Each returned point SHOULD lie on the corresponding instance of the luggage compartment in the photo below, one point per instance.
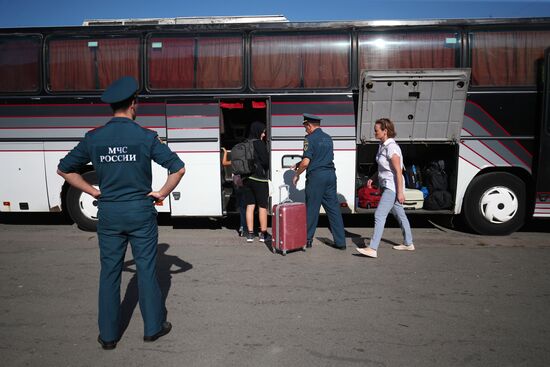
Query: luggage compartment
(414, 153)
(427, 109)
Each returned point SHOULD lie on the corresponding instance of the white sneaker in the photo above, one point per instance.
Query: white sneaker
(367, 251)
(404, 247)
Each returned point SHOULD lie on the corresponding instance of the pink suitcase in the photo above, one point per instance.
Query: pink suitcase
(289, 226)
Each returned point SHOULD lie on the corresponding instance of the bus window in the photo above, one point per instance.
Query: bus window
(20, 64)
(91, 64)
(407, 50)
(290, 61)
(195, 62)
(507, 58)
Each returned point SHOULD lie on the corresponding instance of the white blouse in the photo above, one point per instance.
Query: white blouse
(386, 177)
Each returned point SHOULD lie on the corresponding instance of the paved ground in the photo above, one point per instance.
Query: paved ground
(459, 300)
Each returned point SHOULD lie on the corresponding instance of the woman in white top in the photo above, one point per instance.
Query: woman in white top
(392, 185)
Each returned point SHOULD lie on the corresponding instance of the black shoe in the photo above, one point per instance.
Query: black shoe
(166, 327)
(106, 345)
(309, 244)
(341, 248)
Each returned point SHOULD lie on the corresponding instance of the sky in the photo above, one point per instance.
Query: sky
(40, 13)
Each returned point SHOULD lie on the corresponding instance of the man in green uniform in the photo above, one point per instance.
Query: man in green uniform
(318, 160)
(121, 152)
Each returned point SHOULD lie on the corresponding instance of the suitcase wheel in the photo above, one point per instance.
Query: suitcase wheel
(274, 250)
(284, 252)
(304, 248)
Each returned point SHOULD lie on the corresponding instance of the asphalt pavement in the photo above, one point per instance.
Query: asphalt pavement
(458, 300)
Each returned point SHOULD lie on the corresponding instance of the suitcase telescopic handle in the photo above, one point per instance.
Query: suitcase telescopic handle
(287, 200)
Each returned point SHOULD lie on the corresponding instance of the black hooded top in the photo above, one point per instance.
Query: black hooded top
(261, 156)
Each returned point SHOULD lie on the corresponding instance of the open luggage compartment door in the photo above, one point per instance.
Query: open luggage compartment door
(424, 104)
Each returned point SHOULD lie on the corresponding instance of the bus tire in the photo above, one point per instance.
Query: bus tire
(82, 208)
(494, 204)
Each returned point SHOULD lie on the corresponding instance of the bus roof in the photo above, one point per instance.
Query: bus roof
(274, 22)
(189, 20)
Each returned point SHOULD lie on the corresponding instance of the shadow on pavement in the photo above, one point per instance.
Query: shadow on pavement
(165, 263)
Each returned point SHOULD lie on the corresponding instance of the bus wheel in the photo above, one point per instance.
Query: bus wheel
(82, 207)
(494, 204)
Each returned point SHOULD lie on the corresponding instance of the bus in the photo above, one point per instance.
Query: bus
(473, 94)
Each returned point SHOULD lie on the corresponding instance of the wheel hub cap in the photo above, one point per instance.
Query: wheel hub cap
(88, 205)
(499, 204)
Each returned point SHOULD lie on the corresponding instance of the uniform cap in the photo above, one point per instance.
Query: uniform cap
(120, 90)
(311, 118)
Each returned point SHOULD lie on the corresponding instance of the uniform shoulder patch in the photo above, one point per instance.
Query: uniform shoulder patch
(306, 144)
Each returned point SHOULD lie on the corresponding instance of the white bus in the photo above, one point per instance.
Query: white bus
(466, 92)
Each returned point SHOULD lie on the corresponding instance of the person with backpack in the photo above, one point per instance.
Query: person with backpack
(391, 182)
(237, 189)
(256, 185)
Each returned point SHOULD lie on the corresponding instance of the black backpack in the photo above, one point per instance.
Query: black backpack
(438, 200)
(437, 182)
(435, 177)
(242, 158)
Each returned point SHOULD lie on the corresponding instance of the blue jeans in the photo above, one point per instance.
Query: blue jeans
(387, 204)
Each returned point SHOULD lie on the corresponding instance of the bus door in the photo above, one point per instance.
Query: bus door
(542, 200)
(193, 133)
(236, 116)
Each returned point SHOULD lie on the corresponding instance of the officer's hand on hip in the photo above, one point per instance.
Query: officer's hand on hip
(157, 196)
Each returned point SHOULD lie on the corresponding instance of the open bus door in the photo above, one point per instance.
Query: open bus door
(542, 200)
(426, 105)
(193, 133)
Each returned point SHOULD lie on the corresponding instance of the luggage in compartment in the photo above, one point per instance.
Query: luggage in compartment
(368, 197)
(289, 226)
(414, 199)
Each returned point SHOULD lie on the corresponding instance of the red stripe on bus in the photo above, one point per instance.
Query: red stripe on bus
(72, 116)
(469, 162)
(66, 127)
(301, 127)
(318, 102)
(190, 116)
(75, 104)
(195, 151)
(194, 128)
(301, 150)
(191, 104)
(499, 125)
(492, 150)
(489, 115)
(320, 114)
(482, 157)
(31, 151)
(46, 127)
(480, 139)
